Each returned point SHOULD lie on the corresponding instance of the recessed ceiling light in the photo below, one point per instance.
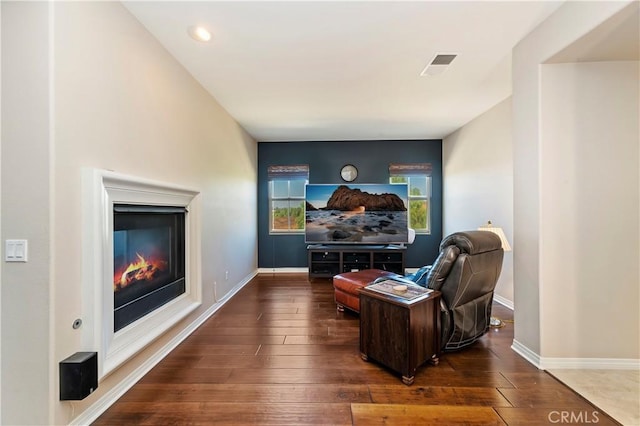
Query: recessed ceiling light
(199, 33)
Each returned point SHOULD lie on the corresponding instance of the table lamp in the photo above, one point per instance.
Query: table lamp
(499, 232)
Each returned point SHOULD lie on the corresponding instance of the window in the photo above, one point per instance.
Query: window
(418, 178)
(286, 198)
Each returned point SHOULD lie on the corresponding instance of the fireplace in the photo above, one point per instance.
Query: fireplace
(141, 263)
(148, 260)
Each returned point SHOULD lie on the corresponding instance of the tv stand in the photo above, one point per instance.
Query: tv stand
(327, 260)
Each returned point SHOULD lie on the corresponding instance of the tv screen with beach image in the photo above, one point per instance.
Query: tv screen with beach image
(356, 214)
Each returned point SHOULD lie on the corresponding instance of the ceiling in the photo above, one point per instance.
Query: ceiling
(347, 70)
(616, 39)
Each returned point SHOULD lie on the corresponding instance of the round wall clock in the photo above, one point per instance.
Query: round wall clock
(349, 173)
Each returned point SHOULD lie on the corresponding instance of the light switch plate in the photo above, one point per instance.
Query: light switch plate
(15, 251)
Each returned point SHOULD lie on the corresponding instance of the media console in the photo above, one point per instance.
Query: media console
(326, 260)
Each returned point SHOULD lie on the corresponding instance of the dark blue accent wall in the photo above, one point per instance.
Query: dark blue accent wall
(325, 159)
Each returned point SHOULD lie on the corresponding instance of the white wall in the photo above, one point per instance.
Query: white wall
(591, 183)
(478, 181)
(570, 22)
(0, 216)
(121, 102)
(25, 192)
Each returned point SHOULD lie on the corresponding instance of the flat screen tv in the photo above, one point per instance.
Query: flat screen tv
(356, 214)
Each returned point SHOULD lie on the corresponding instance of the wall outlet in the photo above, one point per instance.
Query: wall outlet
(226, 275)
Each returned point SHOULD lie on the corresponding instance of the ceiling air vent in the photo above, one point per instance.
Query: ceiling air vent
(438, 64)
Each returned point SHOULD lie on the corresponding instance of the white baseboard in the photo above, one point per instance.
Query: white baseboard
(526, 353)
(503, 301)
(89, 415)
(590, 364)
(547, 363)
(283, 270)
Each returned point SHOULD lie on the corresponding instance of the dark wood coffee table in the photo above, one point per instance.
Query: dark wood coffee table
(400, 333)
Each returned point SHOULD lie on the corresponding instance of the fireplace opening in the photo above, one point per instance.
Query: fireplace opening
(148, 259)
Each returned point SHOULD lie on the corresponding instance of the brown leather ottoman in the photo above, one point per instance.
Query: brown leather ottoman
(347, 286)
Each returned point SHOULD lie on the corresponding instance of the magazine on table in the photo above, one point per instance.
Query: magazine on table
(403, 289)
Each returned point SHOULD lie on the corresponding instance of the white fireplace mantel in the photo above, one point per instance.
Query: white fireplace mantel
(101, 190)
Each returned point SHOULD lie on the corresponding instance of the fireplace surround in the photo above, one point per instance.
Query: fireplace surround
(141, 263)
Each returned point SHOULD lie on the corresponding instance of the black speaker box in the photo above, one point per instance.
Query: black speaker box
(78, 375)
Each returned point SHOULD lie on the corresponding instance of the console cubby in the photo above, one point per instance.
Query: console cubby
(326, 260)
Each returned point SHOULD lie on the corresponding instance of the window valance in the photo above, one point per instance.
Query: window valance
(410, 169)
(287, 172)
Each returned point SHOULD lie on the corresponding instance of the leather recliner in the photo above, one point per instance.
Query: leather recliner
(466, 272)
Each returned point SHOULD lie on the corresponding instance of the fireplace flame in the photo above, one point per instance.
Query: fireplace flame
(140, 270)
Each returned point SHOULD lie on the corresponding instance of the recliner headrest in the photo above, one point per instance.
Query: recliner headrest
(473, 242)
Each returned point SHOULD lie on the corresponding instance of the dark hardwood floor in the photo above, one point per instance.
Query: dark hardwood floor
(279, 353)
